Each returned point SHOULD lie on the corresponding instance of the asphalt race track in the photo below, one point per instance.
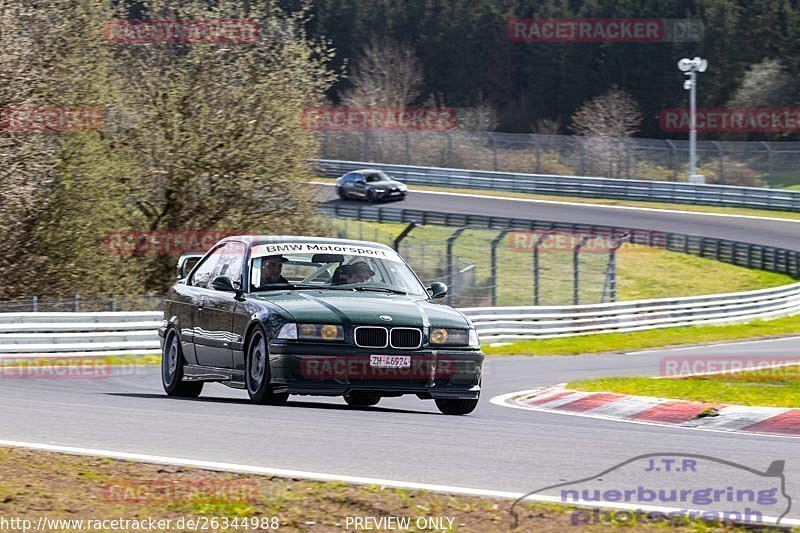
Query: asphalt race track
(405, 439)
(769, 232)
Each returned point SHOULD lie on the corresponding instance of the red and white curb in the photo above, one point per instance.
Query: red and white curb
(774, 421)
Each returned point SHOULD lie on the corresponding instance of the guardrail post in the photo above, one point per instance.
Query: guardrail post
(673, 159)
(449, 161)
(77, 301)
(576, 276)
(769, 164)
(610, 285)
(494, 152)
(493, 263)
(628, 158)
(408, 148)
(538, 154)
(402, 235)
(721, 161)
(35, 304)
(539, 241)
(450, 240)
(365, 146)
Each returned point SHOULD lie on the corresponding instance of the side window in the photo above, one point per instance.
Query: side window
(231, 263)
(224, 261)
(204, 274)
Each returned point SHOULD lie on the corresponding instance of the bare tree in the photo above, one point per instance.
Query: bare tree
(766, 83)
(605, 122)
(480, 117)
(387, 75)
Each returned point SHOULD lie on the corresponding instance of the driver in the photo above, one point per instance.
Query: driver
(271, 267)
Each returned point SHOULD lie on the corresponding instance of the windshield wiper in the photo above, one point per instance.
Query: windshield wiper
(379, 289)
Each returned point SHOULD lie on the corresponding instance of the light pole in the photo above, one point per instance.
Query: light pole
(690, 67)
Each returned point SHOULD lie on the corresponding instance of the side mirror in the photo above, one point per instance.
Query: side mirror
(223, 283)
(438, 289)
(186, 263)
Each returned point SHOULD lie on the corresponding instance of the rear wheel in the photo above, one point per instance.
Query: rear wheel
(371, 196)
(456, 407)
(172, 369)
(362, 399)
(257, 374)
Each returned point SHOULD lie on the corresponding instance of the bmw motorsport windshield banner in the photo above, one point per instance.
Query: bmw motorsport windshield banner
(317, 248)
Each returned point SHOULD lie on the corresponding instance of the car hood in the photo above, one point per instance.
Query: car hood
(345, 307)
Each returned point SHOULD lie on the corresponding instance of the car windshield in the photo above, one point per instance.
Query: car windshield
(377, 176)
(331, 266)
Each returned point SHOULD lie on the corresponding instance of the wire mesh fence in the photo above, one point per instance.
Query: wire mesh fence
(758, 164)
(77, 303)
(485, 267)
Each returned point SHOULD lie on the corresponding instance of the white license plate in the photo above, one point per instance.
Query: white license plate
(390, 361)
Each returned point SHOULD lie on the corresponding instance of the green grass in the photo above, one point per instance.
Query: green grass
(642, 272)
(778, 387)
(629, 203)
(640, 340)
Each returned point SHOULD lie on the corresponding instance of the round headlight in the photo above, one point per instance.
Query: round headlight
(308, 330)
(438, 336)
(330, 332)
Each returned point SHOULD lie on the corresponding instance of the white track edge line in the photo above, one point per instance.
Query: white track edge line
(502, 400)
(317, 476)
(715, 345)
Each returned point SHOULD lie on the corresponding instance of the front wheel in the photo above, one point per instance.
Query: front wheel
(341, 193)
(172, 369)
(257, 374)
(371, 196)
(456, 407)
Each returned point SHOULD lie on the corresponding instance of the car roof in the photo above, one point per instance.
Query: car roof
(267, 239)
(367, 171)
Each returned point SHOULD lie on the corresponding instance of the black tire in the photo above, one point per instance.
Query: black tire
(456, 407)
(362, 399)
(257, 375)
(371, 196)
(341, 193)
(172, 369)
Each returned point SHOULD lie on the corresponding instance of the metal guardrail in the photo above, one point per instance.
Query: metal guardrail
(587, 187)
(30, 335)
(735, 252)
(498, 324)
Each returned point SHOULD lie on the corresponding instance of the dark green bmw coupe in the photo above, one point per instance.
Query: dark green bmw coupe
(305, 315)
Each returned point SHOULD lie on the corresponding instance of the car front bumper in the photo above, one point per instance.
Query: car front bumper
(334, 370)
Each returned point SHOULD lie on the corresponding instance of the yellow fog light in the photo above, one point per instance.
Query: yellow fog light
(330, 332)
(438, 336)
